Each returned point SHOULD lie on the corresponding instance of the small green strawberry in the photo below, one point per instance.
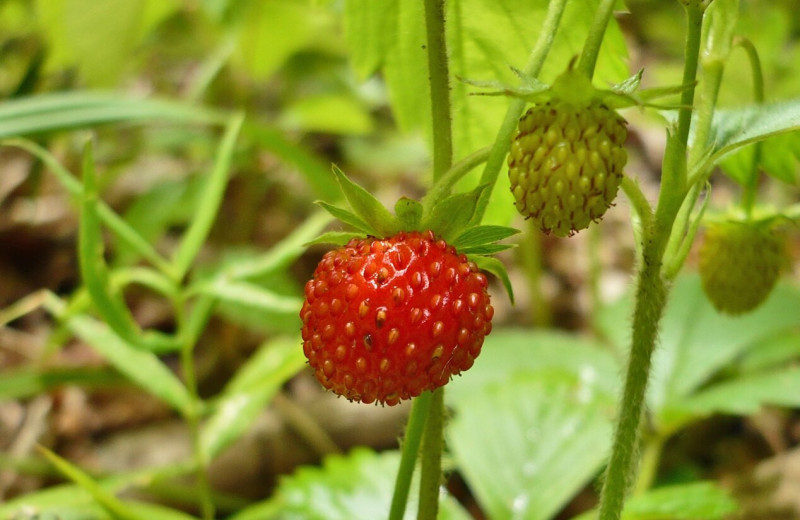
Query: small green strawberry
(566, 163)
(739, 264)
(385, 320)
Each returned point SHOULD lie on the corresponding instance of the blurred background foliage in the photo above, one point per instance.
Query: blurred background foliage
(334, 81)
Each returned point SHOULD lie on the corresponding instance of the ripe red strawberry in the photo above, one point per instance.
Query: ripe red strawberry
(565, 164)
(739, 264)
(386, 319)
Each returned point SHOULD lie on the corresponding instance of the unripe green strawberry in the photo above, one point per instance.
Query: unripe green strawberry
(739, 264)
(386, 319)
(565, 164)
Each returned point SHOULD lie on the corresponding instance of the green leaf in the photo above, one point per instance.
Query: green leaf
(488, 249)
(273, 31)
(693, 501)
(779, 158)
(526, 457)
(107, 500)
(68, 110)
(209, 203)
(744, 394)
(481, 235)
(735, 128)
(367, 207)
(773, 352)
(369, 28)
(337, 238)
(409, 211)
(497, 268)
(357, 486)
(20, 384)
(348, 217)
(140, 366)
(250, 295)
(697, 343)
(245, 396)
(332, 114)
(449, 217)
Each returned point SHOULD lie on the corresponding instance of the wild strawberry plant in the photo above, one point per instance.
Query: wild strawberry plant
(521, 105)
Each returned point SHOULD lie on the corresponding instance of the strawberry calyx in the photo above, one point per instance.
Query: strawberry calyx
(449, 218)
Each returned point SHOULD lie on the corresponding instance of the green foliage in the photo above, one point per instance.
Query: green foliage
(353, 487)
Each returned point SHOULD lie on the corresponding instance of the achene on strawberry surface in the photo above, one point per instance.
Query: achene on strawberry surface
(386, 319)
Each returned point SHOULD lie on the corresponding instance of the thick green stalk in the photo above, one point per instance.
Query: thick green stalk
(651, 288)
(408, 459)
(691, 55)
(494, 164)
(432, 445)
(591, 47)
(439, 74)
(651, 296)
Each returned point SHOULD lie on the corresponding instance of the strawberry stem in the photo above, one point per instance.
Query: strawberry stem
(408, 460)
(432, 444)
(497, 155)
(591, 47)
(439, 75)
(751, 183)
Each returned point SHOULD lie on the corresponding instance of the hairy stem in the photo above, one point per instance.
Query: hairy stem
(408, 459)
(691, 56)
(432, 444)
(440, 87)
(751, 185)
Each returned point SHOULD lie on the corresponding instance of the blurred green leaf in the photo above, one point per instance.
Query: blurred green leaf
(21, 384)
(696, 342)
(251, 295)
(208, 205)
(140, 366)
(693, 501)
(332, 114)
(773, 352)
(528, 444)
(246, 395)
(779, 159)
(102, 496)
(735, 128)
(68, 110)
(742, 395)
(271, 32)
(357, 486)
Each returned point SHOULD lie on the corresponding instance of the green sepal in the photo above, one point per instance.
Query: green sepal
(485, 249)
(348, 217)
(451, 216)
(367, 207)
(495, 267)
(409, 212)
(482, 235)
(337, 238)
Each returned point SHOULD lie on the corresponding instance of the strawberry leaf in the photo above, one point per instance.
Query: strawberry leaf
(348, 217)
(485, 249)
(481, 235)
(496, 267)
(367, 207)
(338, 238)
(409, 211)
(449, 218)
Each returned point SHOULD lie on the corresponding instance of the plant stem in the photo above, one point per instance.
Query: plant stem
(751, 184)
(650, 300)
(491, 171)
(691, 55)
(440, 87)
(442, 187)
(591, 47)
(408, 460)
(432, 444)
(651, 287)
